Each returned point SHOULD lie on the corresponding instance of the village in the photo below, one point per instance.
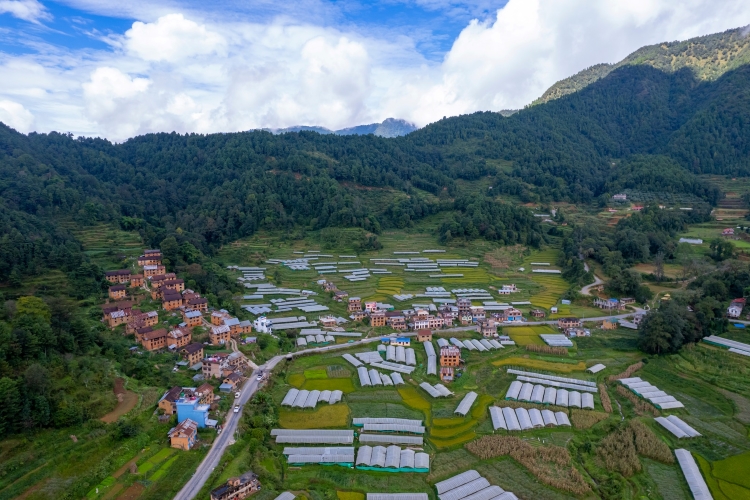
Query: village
(471, 326)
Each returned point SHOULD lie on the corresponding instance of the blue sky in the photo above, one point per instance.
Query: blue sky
(434, 25)
(116, 69)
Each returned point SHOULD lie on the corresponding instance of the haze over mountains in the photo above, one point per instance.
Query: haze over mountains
(390, 127)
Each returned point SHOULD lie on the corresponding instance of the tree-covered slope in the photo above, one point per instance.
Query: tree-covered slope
(708, 57)
(638, 128)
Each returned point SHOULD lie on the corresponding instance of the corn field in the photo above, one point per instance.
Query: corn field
(619, 451)
(641, 406)
(550, 464)
(584, 419)
(604, 396)
(629, 371)
(545, 349)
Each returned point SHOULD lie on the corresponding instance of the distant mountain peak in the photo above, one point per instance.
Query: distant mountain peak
(390, 127)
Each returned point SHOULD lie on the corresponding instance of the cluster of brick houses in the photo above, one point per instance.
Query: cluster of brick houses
(224, 326)
(421, 319)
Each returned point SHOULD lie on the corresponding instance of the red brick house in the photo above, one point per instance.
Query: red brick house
(119, 276)
(179, 337)
(117, 292)
(155, 340)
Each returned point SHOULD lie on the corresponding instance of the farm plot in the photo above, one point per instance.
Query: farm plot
(324, 416)
(553, 288)
(525, 335)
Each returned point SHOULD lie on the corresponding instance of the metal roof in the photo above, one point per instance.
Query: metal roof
(465, 404)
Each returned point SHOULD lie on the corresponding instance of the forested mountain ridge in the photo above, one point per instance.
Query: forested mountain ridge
(638, 128)
(708, 57)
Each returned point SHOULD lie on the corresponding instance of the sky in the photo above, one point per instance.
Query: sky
(117, 69)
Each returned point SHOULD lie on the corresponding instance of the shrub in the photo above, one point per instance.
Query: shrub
(619, 451)
(629, 371)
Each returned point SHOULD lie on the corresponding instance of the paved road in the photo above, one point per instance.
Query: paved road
(249, 388)
(587, 289)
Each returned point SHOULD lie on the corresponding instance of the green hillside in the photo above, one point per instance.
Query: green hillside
(708, 57)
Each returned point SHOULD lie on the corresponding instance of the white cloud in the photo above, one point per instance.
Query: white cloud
(171, 38)
(16, 116)
(28, 10)
(187, 73)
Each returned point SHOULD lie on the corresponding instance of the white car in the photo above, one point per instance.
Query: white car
(259, 377)
(237, 394)
(236, 408)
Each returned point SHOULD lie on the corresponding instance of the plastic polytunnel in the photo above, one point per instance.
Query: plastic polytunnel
(562, 418)
(469, 345)
(390, 353)
(335, 396)
(400, 354)
(574, 399)
(536, 417)
(537, 395)
(526, 390)
(523, 418)
(511, 420)
(549, 417)
(364, 376)
(498, 422)
(324, 396)
(386, 379)
(514, 390)
(550, 396)
(397, 378)
(587, 400)
(290, 397)
(562, 397)
(375, 377)
(299, 401)
(411, 358)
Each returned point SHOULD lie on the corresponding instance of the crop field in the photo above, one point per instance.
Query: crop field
(525, 335)
(324, 415)
(539, 364)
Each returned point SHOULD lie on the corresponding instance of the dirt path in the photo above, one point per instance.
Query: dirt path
(587, 289)
(126, 401)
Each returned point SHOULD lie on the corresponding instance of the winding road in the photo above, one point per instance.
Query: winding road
(587, 289)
